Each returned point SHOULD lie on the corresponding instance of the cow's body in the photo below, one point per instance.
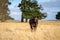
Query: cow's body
(33, 23)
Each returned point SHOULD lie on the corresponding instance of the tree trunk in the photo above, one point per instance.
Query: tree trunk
(22, 18)
(3, 10)
(26, 19)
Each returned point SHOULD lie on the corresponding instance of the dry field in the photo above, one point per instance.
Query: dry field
(46, 30)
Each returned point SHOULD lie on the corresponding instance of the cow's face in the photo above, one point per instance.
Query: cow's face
(36, 19)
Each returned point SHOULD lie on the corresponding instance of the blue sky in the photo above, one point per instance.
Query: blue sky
(51, 7)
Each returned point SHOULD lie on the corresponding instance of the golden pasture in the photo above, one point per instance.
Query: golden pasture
(46, 30)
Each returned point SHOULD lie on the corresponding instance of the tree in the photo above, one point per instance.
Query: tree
(30, 8)
(58, 16)
(3, 10)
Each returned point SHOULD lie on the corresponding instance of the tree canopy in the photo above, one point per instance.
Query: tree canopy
(58, 16)
(30, 8)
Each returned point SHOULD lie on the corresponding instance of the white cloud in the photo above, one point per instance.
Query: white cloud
(55, 9)
(15, 13)
(44, 0)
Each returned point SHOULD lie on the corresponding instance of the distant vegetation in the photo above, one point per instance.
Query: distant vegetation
(58, 16)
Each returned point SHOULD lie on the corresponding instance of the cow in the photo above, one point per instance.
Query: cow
(33, 23)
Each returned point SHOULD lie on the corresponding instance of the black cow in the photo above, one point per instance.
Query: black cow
(33, 23)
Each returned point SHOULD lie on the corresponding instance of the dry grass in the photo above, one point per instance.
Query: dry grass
(46, 30)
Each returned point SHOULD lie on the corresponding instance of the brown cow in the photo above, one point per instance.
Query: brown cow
(33, 23)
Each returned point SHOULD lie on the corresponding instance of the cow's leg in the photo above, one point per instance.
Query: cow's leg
(31, 27)
(35, 27)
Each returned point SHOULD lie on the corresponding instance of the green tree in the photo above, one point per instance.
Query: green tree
(58, 16)
(30, 8)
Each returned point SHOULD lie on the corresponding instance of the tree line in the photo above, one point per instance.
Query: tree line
(28, 8)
